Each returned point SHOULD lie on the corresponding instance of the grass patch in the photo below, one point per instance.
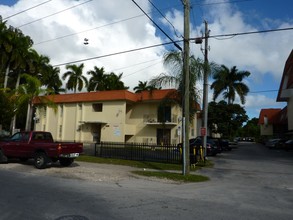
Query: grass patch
(161, 169)
(141, 164)
(173, 176)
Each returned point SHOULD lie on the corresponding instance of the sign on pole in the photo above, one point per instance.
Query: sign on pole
(203, 131)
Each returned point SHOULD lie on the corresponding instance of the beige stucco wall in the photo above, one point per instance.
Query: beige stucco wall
(119, 122)
(51, 121)
(266, 130)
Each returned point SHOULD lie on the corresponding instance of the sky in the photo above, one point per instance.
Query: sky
(59, 27)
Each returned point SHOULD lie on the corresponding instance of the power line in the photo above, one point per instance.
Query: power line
(223, 2)
(113, 54)
(54, 14)
(167, 43)
(175, 44)
(26, 10)
(247, 33)
(141, 69)
(87, 30)
(137, 64)
(263, 91)
(175, 31)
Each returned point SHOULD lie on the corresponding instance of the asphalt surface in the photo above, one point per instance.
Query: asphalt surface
(250, 182)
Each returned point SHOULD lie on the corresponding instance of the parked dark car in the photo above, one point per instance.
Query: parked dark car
(194, 146)
(223, 145)
(195, 143)
(212, 148)
(288, 145)
(272, 143)
(281, 143)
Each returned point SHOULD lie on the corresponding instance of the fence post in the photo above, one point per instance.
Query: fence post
(95, 149)
(131, 149)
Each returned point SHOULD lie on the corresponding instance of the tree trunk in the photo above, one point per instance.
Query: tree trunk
(6, 77)
(28, 125)
(13, 120)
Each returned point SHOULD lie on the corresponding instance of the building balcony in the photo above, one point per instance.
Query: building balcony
(154, 120)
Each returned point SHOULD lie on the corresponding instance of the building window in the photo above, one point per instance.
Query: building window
(164, 114)
(79, 106)
(98, 107)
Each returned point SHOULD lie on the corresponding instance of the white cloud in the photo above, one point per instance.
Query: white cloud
(257, 102)
(261, 101)
(258, 53)
(129, 29)
(114, 26)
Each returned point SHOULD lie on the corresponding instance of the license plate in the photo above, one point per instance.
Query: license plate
(72, 155)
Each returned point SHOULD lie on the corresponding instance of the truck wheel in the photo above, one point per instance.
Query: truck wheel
(40, 160)
(65, 162)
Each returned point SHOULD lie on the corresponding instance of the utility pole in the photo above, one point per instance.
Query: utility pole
(205, 90)
(186, 152)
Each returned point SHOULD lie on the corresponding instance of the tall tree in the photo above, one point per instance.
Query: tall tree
(225, 119)
(76, 80)
(114, 82)
(229, 82)
(101, 81)
(144, 86)
(26, 93)
(37, 64)
(173, 61)
(97, 79)
(52, 80)
(6, 109)
(14, 49)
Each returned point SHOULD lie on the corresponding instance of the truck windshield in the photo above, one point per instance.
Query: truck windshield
(16, 137)
(42, 136)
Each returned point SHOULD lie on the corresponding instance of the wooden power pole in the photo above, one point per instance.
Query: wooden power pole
(186, 151)
(205, 90)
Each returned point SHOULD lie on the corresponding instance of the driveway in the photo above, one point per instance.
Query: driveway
(251, 182)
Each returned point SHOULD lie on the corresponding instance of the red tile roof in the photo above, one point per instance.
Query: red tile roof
(271, 114)
(113, 95)
(287, 78)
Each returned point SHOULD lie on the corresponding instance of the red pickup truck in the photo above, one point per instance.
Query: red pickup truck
(41, 147)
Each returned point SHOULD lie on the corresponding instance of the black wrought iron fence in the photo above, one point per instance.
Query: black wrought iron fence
(139, 151)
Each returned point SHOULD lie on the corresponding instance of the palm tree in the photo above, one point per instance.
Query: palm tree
(174, 63)
(14, 50)
(113, 82)
(76, 79)
(229, 82)
(97, 80)
(101, 81)
(52, 81)
(26, 93)
(143, 86)
(37, 64)
(6, 109)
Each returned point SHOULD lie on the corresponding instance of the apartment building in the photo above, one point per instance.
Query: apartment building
(285, 93)
(118, 116)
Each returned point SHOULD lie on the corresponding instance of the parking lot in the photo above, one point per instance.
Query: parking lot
(250, 182)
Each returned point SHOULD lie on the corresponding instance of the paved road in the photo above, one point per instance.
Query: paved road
(250, 182)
